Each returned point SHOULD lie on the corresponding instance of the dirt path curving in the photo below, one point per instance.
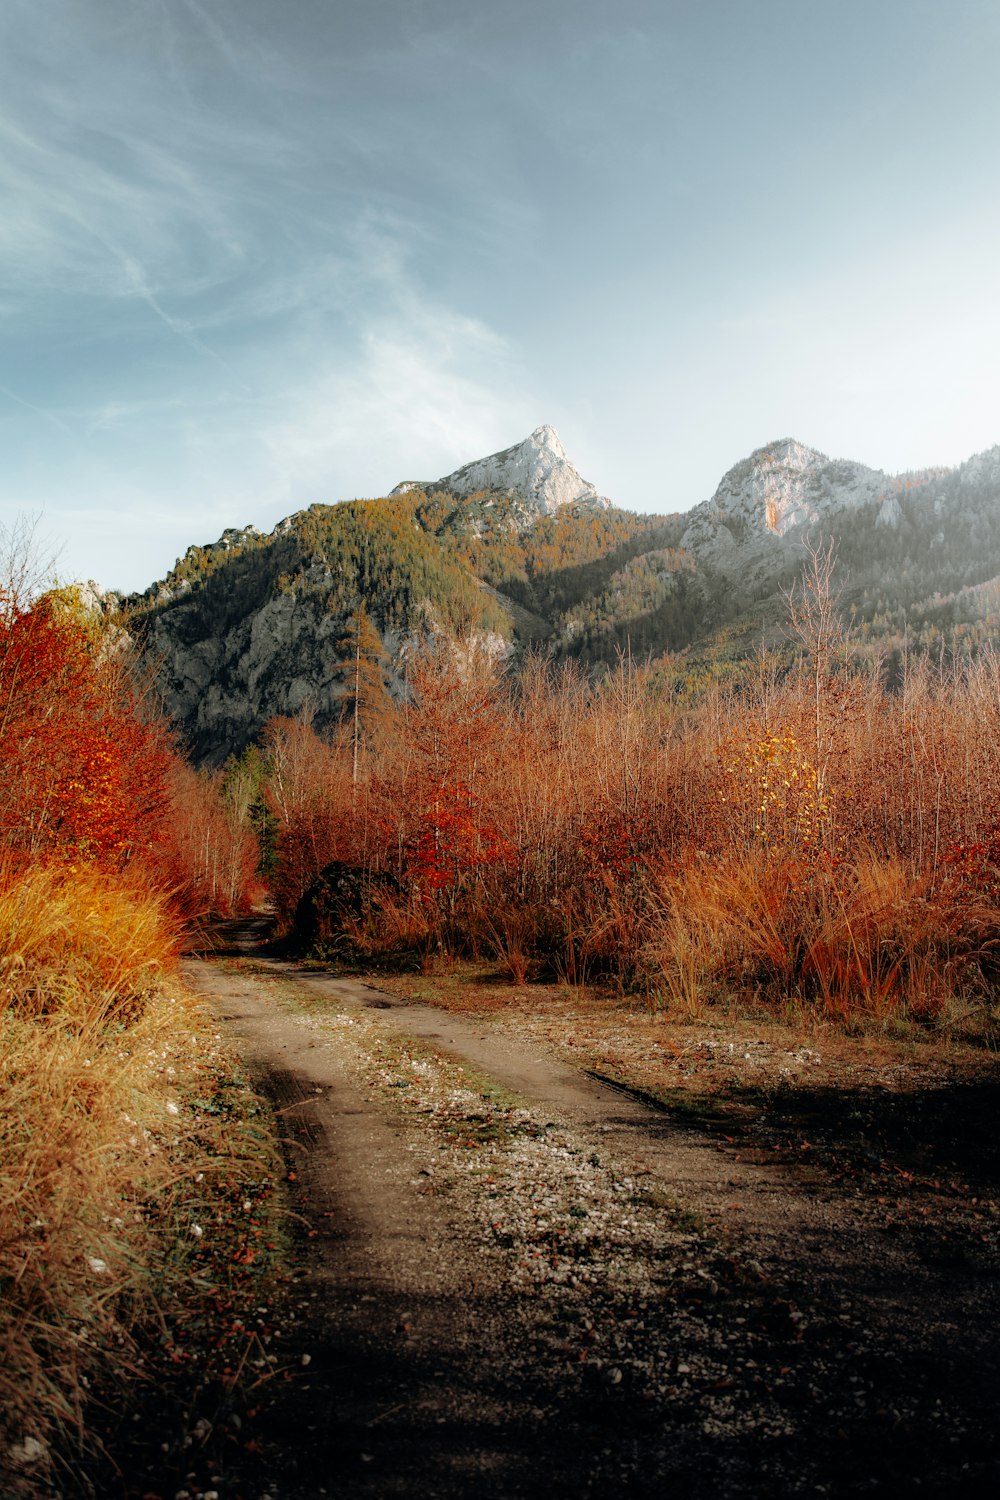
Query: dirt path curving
(516, 1280)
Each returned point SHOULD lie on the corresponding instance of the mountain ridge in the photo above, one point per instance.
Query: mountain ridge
(251, 625)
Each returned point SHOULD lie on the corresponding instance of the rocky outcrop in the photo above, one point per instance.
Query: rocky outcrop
(981, 471)
(772, 500)
(536, 472)
(890, 512)
(222, 688)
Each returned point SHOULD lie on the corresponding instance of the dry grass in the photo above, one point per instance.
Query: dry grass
(867, 941)
(77, 942)
(99, 1147)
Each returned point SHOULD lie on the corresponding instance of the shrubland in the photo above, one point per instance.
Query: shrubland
(109, 1151)
(808, 835)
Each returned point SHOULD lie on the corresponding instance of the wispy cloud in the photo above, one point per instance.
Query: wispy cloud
(364, 377)
(160, 410)
(39, 411)
(218, 35)
(420, 383)
(402, 411)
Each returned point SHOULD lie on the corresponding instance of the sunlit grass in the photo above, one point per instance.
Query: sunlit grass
(104, 1154)
(870, 940)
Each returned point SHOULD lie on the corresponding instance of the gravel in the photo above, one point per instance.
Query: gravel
(494, 1298)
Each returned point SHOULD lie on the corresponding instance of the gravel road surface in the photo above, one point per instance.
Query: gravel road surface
(516, 1280)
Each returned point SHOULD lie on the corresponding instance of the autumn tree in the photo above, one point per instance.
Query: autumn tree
(208, 853)
(363, 669)
(310, 795)
(243, 793)
(452, 727)
(84, 756)
(817, 627)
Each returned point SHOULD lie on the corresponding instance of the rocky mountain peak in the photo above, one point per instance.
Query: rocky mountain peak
(536, 471)
(546, 437)
(784, 455)
(786, 485)
(781, 490)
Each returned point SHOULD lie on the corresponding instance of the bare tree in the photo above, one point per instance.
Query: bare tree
(817, 626)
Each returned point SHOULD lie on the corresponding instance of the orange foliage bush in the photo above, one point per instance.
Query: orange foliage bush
(84, 768)
(90, 773)
(106, 841)
(802, 836)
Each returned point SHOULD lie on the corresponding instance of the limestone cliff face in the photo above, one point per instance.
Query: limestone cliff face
(536, 471)
(772, 498)
(222, 686)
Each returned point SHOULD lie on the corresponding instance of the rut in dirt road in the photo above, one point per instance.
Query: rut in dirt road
(503, 1291)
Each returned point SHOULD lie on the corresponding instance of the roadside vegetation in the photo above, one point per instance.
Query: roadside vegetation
(809, 838)
(114, 1164)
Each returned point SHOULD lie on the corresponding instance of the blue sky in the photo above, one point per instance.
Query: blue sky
(259, 253)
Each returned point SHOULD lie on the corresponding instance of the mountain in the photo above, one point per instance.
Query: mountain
(913, 550)
(520, 550)
(780, 492)
(536, 472)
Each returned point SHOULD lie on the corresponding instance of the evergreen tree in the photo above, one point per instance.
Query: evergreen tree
(362, 668)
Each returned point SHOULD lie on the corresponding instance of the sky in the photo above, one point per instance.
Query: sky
(260, 253)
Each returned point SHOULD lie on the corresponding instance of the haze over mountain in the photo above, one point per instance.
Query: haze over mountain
(520, 550)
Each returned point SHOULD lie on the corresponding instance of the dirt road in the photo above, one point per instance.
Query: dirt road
(517, 1281)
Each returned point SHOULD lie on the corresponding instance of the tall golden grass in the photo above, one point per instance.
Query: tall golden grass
(868, 940)
(73, 941)
(98, 1048)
